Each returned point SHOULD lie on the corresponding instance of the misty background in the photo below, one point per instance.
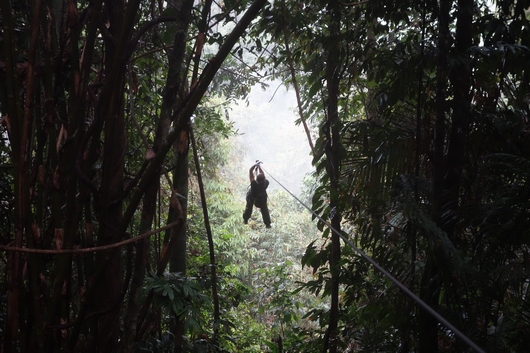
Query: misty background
(267, 132)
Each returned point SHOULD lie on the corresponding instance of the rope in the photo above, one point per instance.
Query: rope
(88, 250)
(402, 287)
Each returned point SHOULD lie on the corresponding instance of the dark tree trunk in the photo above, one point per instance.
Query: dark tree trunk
(169, 99)
(447, 168)
(211, 248)
(461, 113)
(461, 118)
(108, 293)
(178, 257)
(430, 281)
(110, 218)
(333, 169)
(18, 138)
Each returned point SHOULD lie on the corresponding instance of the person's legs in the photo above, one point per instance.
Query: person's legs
(248, 209)
(266, 216)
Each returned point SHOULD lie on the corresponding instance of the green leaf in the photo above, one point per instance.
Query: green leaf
(315, 88)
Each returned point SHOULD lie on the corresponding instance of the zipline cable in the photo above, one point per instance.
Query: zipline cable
(407, 291)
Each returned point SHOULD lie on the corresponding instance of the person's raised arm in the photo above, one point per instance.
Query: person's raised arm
(251, 173)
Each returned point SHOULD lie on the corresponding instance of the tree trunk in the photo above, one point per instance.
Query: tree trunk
(108, 293)
(211, 247)
(447, 171)
(169, 98)
(461, 118)
(292, 70)
(18, 140)
(333, 169)
(430, 282)
(461, 113)
(178, 257)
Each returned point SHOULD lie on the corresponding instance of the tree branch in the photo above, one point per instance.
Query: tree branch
(295, 81)
(145, 27)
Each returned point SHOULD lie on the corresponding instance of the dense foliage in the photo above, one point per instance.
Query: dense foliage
(96, 102)
(432, 100)
(120, 214)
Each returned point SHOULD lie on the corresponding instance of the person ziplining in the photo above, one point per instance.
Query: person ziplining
(257, 195)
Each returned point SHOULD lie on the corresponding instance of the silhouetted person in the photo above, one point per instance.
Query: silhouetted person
(257, 195)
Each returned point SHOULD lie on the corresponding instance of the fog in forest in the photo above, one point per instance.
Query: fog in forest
(268, 133)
